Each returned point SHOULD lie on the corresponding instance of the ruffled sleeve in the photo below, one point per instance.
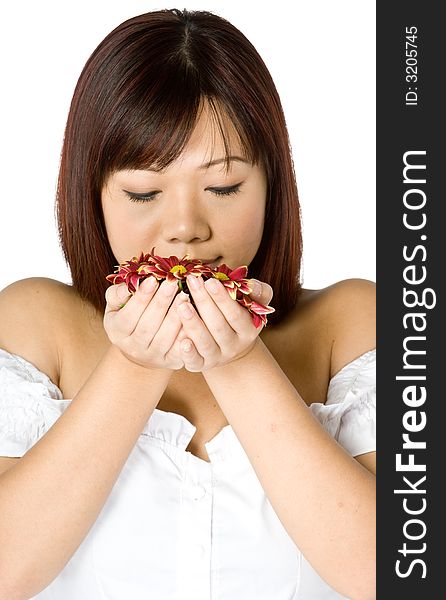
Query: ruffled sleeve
(29, 404)
(349, 413)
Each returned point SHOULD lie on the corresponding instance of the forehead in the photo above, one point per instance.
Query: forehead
(214, 136)
(211, 136)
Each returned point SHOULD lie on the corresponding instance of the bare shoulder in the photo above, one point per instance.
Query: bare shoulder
(32, 312)
(335, 325)
(350, 307)
(340, 320)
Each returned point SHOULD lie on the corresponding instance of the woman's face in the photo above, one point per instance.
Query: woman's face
(191, 207)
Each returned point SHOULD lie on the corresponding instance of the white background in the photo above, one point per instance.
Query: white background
(321, 55)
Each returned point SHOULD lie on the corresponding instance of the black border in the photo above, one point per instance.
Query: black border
(402, 128)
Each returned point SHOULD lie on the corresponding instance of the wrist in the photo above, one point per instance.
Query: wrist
(243, 361)
(123, 363)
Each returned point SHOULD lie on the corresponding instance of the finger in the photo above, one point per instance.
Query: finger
(173, 357)
(150, 314)
(197, 332)
(262, 292)
(181, 334)
(174, 353)
(209, 308)
(170, 328)
(115, 296)
(126, 317)
(235, 315)
(190, 356)
(118, 296)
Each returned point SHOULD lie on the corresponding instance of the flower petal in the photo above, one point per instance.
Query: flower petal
(239, 273)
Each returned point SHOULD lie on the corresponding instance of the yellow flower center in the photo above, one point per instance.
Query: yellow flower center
(178, 268)
(221, 276)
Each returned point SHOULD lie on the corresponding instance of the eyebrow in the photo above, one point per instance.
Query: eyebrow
(218, 161)
(212, 163)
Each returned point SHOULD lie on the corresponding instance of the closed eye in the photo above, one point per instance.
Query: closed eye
(226, 191)
(150, 196)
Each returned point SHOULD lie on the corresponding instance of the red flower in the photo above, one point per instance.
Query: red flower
(129, 272)
(174, 268)
(258, 311)
(233, 279)
(134, 271)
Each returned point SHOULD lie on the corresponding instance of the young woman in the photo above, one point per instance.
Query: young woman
(150, 451)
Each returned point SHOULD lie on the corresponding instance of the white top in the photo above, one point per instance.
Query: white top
(176, 527)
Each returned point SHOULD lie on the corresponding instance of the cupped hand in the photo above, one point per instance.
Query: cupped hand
(145, 326)
(220, 330)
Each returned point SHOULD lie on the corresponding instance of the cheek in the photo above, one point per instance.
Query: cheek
(128, 233)
(243, 231)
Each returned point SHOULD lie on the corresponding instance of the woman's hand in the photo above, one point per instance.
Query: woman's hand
(224, 333)
(145, 328)
(262, 292)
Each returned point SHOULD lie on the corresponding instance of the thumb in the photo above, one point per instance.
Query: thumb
(262, 292)
(116, 296)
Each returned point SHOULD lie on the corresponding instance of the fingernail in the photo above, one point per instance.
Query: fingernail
(256, 288)
(169, 287)
(213, 286)
(186, 345)
(149, 284)
(185, 310)
(123, 291)
(193, 282)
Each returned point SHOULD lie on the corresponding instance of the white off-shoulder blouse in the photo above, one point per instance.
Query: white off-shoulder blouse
(176, 527)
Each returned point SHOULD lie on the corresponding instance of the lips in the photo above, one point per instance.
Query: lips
(213, 262)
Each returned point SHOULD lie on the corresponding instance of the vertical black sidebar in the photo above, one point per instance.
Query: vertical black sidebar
(411, 238)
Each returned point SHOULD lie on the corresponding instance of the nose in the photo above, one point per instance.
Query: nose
(185, 220)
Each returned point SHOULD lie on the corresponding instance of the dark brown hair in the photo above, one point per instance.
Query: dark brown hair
(136, 104)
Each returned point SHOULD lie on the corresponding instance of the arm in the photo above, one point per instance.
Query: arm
(324, 498)
(57, 490)
(52, 496)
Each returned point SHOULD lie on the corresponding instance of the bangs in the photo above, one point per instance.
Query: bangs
(154, 134)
